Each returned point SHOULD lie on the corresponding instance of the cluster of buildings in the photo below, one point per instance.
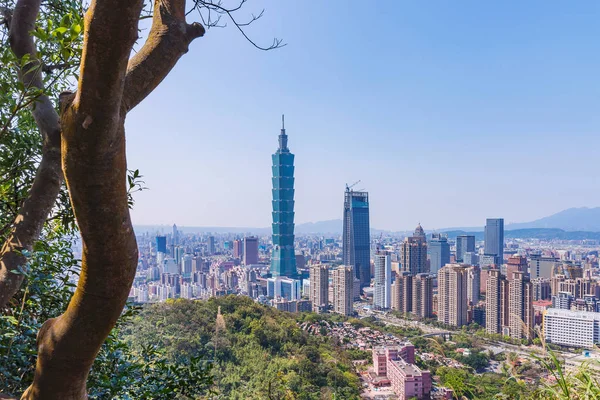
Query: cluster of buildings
(515, 289)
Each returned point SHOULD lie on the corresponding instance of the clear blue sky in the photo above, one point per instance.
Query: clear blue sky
(449, 112)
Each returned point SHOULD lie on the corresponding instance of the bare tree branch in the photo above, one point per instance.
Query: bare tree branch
(167, 41)
(53, 67)
(217, 7)
(46, 185)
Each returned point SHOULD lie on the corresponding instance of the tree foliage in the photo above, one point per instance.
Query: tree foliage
(262, 353)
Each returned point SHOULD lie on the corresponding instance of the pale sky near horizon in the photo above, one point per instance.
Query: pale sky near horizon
(448, 112)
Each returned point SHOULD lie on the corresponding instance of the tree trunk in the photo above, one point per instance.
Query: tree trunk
(91, 135)
(68, 344)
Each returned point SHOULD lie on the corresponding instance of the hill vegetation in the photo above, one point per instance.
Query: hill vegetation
(257, 352)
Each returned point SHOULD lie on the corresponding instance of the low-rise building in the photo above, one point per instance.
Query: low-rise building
(572, 328)
(397, 363)
(408, 381)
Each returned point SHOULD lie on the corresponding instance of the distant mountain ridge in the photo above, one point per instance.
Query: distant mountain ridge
(572, 219)
(330, 226)
(571, 224)
(584, 219)
(533, 233)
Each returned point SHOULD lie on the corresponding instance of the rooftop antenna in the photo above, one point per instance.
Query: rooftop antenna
(282, 121)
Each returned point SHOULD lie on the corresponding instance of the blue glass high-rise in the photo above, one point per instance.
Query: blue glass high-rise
(283, 260)
(357, 235)
(494, 239)
(161, 244)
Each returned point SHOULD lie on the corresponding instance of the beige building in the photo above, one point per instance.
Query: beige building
(496, 301)
(319, 287)
(402, 294)
(520, 306)
(452, 294)
(509, 305)
(422, 296)
(413, 252)
(343, 290)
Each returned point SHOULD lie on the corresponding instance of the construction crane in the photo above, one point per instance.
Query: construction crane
(348, 188)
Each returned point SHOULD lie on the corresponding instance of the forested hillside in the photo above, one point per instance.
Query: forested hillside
(257, 352)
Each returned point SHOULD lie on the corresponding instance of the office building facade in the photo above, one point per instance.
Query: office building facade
(494, 239)
(161, 244)
(356, 235)
(464, 244)
(284, 287)
(250, 250)
(438, 251)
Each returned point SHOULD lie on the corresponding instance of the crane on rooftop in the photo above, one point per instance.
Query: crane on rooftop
(349, 188)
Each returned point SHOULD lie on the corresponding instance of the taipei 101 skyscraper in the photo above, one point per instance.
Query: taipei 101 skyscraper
(283, 260)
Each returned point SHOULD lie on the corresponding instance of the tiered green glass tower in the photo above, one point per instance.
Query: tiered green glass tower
(283, 260)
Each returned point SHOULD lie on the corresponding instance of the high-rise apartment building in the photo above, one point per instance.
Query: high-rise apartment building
(541, 289)
(422, 292)
(343, 291)
(496, 302)
(473, 284)
(402, 296)
(520, 306)
(238, 248)
(383, 281)
(356, 235)
(210, 245)
(452, 295)
(319, 287)
(413, 252)
(464, 244)
(516, 263)
(509, 304)
(438, 251)
(175, 237)
(494, 239)
(283, 260)
(250, 250)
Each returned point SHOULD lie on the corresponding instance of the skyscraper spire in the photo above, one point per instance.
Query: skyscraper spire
(283, 138)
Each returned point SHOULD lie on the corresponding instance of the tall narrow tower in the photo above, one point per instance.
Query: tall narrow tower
(283, 260)
(356, 235)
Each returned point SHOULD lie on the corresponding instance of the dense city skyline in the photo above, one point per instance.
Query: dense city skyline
(449, 100)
